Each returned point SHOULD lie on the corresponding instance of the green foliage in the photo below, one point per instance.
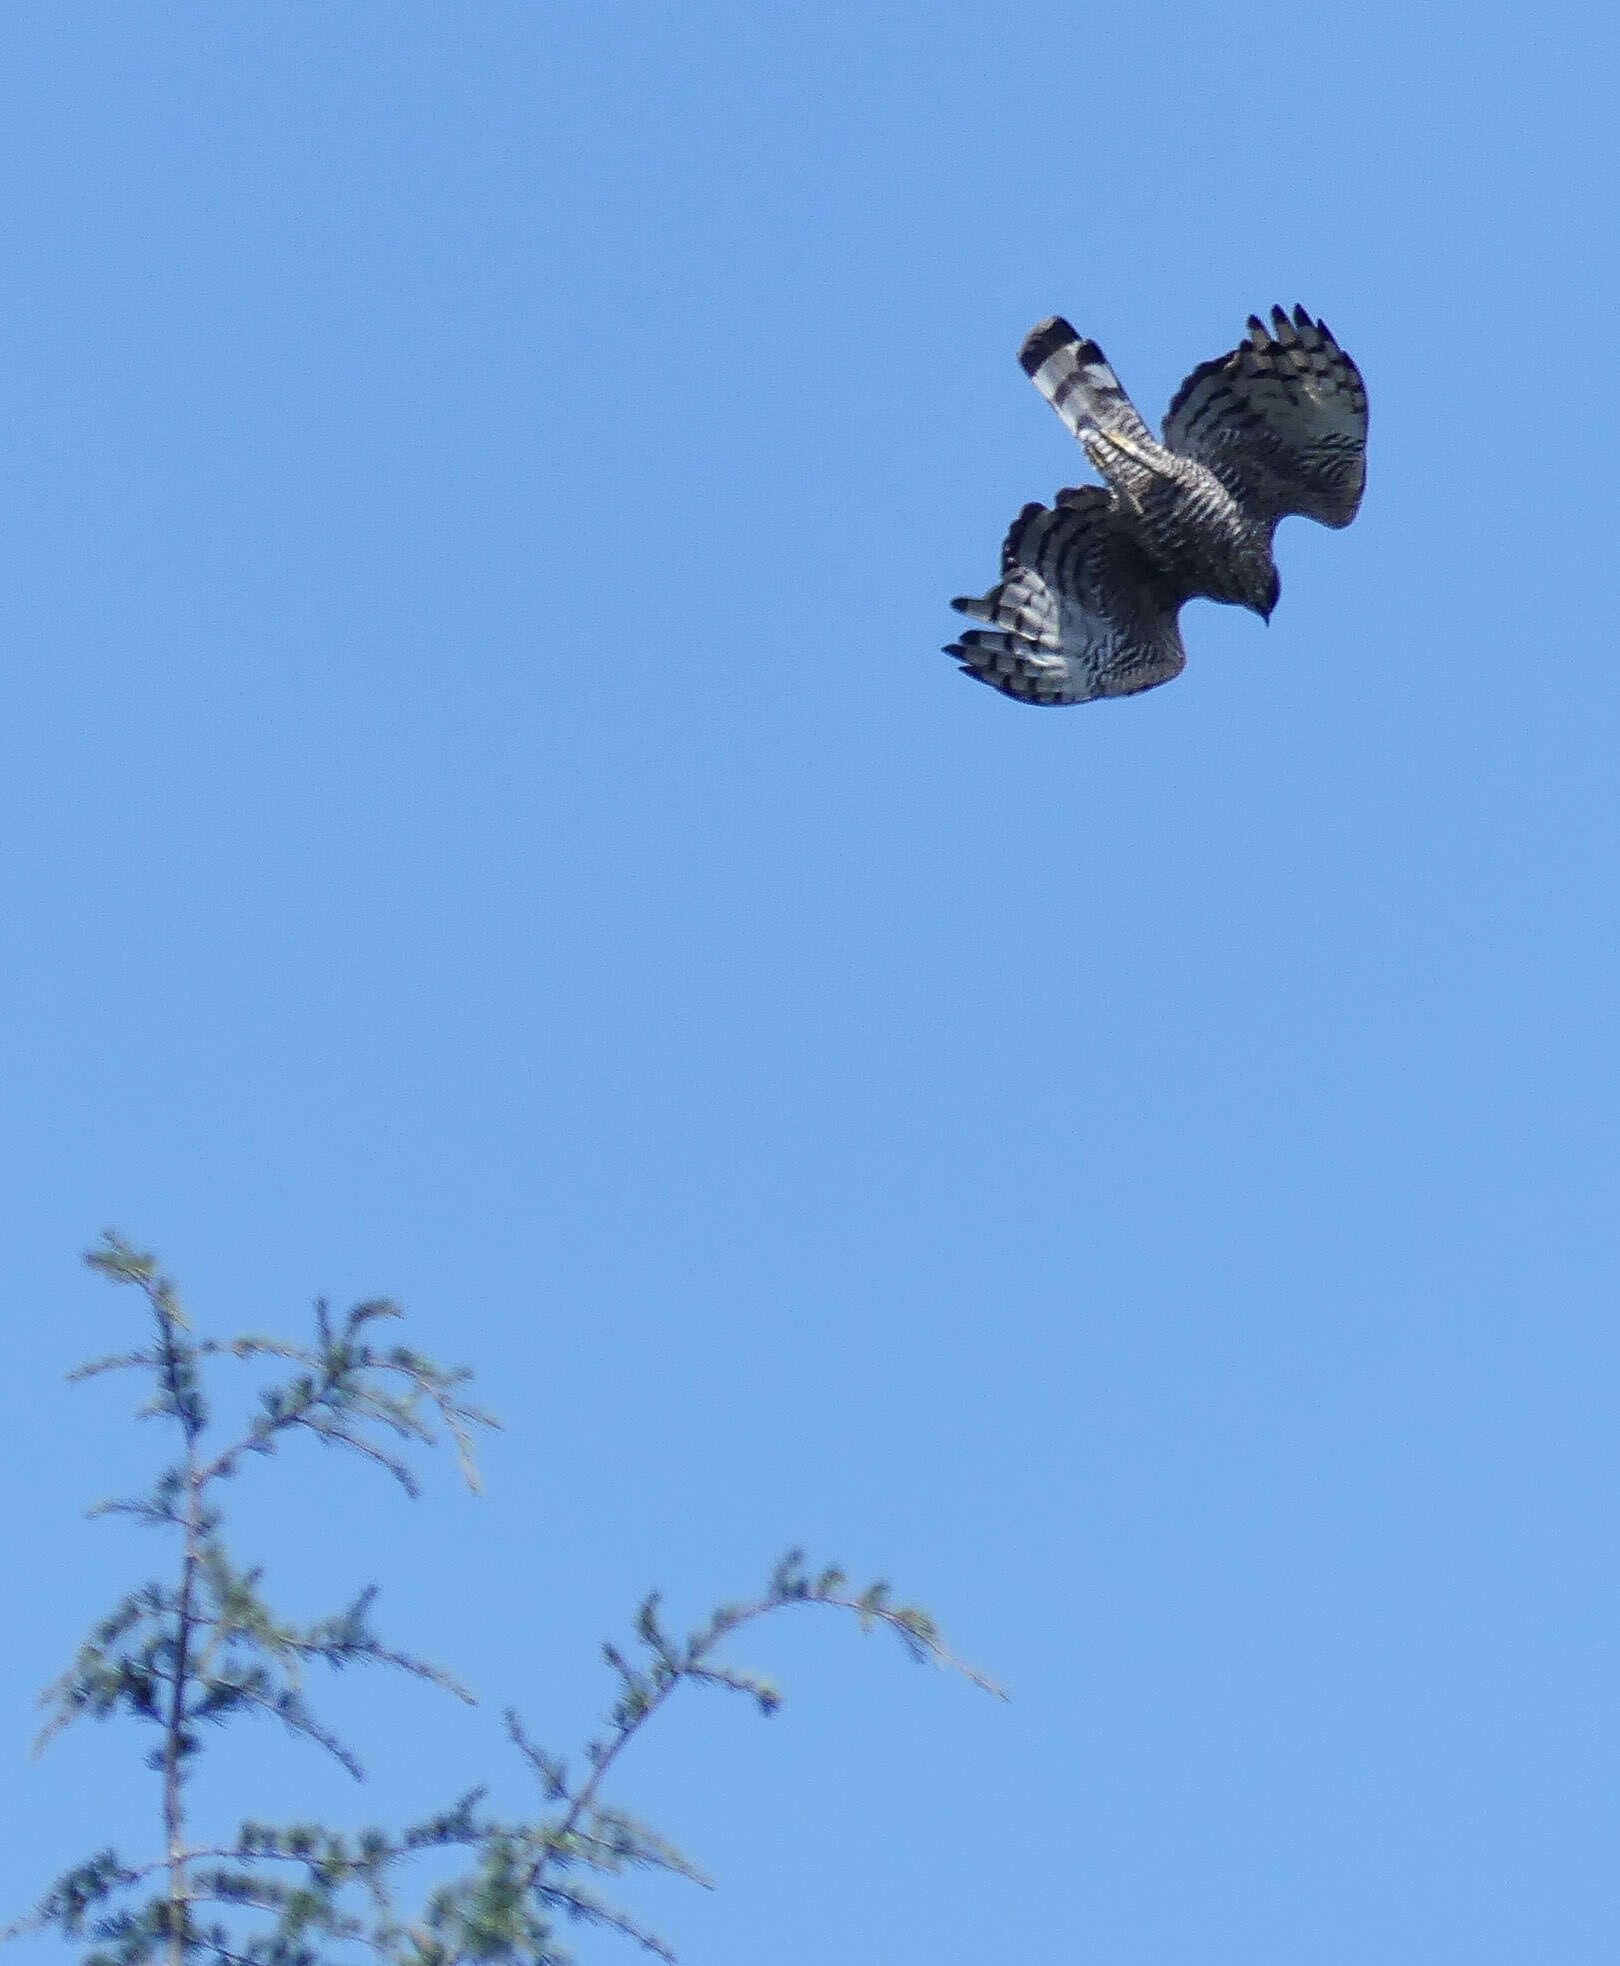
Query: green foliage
(201, 1648)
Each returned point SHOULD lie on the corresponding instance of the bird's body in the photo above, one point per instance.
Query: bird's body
(1277, 426)
(1180, 511)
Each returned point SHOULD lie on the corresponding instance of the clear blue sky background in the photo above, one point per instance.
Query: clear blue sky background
(485, 821)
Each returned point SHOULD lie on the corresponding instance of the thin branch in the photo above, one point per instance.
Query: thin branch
(580, 1903)
(292, 1715)
(114, 1362)
(921, 1642)
(646, 1695)
(174, 1733)
(334, 1367)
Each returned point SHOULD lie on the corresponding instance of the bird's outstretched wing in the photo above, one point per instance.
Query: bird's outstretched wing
(1080, 611)
(1281, 421)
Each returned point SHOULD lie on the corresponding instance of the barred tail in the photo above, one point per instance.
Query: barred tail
(1074, 377)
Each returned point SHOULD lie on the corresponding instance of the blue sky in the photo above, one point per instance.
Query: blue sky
(487, 822)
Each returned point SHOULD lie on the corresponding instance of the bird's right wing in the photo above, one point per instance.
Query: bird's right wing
(1281, 421)
(1081, 611)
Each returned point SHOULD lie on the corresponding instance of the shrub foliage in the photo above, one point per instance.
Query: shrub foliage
(200, 1647)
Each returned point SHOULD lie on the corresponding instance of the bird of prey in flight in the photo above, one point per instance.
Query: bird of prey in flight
(1091, 587)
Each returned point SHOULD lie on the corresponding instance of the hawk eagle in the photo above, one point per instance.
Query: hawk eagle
(1091, 587)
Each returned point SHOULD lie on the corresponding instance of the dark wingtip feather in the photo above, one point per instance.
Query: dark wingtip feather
(1018, 531)
(1073, 495)
(1009, 559)
(1025, 513)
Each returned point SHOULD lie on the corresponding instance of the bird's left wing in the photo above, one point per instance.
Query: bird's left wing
(1080, 612)
(1281, 421)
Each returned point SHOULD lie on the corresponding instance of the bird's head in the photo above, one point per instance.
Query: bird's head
(1261, 586)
